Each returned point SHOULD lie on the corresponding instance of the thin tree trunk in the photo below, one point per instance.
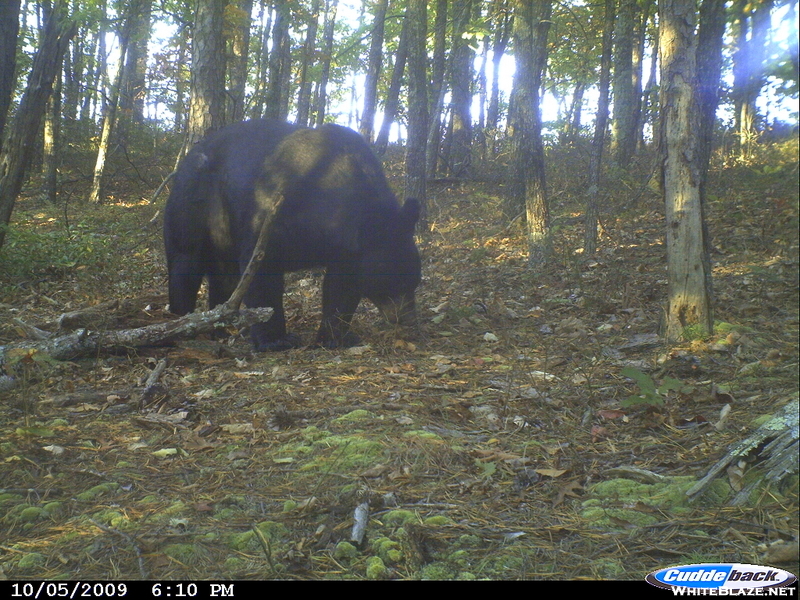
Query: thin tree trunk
(374, 63)
(309, 52)
(500, 41)
(460, 129)
(239, 48)
(689, 303)
(393, 96)
(279, 64)
(327, 41)
(598, 141)
(207, 97)
(96, 193)
(20, 139)
(9, 31)
(52, 142)
(623, 125)
(531, 26)
(438, 89)
(416, 13)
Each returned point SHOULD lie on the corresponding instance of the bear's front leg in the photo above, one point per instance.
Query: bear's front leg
(340, 298)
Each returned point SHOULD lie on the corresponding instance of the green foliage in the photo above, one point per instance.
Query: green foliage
(649, 394)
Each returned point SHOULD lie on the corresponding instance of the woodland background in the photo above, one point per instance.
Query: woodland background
(563, 391)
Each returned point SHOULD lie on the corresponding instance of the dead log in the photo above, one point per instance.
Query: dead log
(85, 342)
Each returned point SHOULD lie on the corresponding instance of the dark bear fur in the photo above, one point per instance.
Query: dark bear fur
(335, 209)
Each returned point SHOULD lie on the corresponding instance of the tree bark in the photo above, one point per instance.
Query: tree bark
(9, 31)
(598, 141)
(531, 26)
(460, 129)
(417, 15)
(17, 149)
(279, 64)
(393, 95)
(623, 124)
(309, 53)
(207, 96)
(239, 52)
(438, 89)
(321, 101)
(374, 63)
(689, 303)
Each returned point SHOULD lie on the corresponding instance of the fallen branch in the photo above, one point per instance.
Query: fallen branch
(85, 342)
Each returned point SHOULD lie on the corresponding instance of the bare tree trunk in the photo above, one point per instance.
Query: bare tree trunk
(20, 139)
(9, 30)
(392, 97)
(374, 63)
(461, 79)
(689, 303)
(416, 13)
(96, 193)
(239, 47)
(438, 89)
(279, 64)
(502, 32)
(531, 26)
(52, 142)
(327, 41)
(309, 51)
(134, 91)
(623, 125)
(598, 141)
(207, 98)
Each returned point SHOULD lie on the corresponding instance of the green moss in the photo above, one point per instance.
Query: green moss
(437, 521)
(436, 571)
(32, 513)
(345, 551)
(469, 541)
(355, 416)
(375, 568)
(388, 550)
(31, 561)
(95, 492)
(188, 554)
(399, 517)
(53, 509)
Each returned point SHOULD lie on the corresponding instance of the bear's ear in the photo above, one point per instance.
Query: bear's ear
(409, 214)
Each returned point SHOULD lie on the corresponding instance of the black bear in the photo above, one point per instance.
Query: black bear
(336, 210)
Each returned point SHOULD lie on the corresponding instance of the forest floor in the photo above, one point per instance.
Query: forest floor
(497, 442)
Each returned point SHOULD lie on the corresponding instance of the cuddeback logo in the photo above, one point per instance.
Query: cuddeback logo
(720, 576)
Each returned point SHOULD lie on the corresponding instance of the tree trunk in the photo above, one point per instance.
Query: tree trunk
(461, 78)
(502, 32)
(134, 91)
(374, 63)
(393, 96)
(96, 193)
(239, 47)
(748, 69)
(623, 125)
(279, 64)
(437, 89)
(598, 141)
(689, 303)
(9, 30)
(207, 96)
(531, 26)
(309, 53)
(52, 142)
(321, 101)
(417, 17)
(20, 139)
